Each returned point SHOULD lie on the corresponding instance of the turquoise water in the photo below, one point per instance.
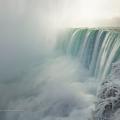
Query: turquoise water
(96, 49)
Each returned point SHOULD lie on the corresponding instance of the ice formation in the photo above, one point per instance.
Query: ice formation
(108, 103)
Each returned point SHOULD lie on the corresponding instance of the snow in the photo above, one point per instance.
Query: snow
(108, 96)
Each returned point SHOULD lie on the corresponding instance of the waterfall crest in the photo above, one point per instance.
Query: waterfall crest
(97, 49)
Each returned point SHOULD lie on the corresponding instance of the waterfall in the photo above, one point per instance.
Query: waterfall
(95, 48)
(64, 82)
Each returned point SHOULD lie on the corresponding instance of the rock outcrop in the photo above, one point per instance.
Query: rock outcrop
(108, 96)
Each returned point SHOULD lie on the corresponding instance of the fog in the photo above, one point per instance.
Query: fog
(55, 90)
(24, 35)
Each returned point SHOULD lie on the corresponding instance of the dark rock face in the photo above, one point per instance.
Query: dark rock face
(108, 103)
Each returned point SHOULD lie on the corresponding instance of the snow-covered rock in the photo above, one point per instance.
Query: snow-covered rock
(108, 96)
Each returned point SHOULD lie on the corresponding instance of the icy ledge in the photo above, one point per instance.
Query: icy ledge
(108, 102)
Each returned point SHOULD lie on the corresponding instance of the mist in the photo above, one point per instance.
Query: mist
(25, 35)
(55, 90)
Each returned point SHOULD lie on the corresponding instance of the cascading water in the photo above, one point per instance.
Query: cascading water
(96, 49)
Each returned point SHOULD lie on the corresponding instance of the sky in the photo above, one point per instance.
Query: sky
(65, 12)
(90, 12)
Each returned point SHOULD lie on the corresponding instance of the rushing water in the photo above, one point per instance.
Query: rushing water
(96, 49)
(63, 85)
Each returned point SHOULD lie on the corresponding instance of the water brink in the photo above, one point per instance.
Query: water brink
(96, 49)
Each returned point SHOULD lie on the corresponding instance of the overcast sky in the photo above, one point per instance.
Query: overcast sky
(63, 12)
